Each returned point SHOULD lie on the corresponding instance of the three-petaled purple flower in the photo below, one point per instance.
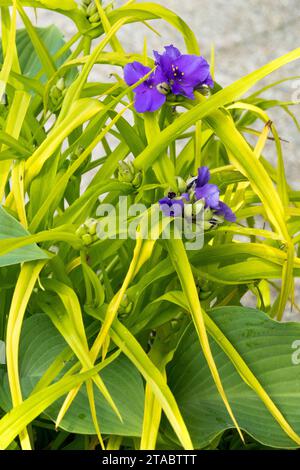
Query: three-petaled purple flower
(178, 73)
(198, 189)
(210, 193)
(173, 206)
(184, 72)
(147, 96)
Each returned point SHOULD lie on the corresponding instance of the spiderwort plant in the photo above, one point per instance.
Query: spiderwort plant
(200, 198)
(106, 337)
(176, 73)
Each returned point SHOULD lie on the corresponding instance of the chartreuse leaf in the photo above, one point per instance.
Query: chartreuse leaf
(25, 284)
(11, 230)
(122, 337)
(13, 126)
(254, 356)
(68, 320)
(8, 245)
(198, 112)
(141, 253)
(57, 4)
(8, 61)
(81, 111)
(41, 346)
(14, 421)
(183, 268)
(150, 11)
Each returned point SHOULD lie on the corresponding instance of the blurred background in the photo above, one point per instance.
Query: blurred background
(245, 34)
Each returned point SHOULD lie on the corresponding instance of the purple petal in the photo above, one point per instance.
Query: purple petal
(148, 100)
(195, 69)
(226, 212)
(167, 59)
(159, 76)
(210, 193)
(185, 196)
(180, 88)
(172, 52)
(171, 207)
(209, 81)
(134, 71)
(203, 176)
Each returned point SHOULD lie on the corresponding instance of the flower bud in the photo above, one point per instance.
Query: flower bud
(88, 231)
(198, 207)
(181, 184)
(128, 174)
(87, 239)
(94, 18)
(125, 305)
(92, 9)
(125, 171)
(60, 84)
(137, 180)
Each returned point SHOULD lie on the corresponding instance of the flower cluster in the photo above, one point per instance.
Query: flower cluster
(198, 195)
(180, 74)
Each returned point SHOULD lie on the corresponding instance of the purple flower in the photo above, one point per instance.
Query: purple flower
(172, 207)
(211, 195)
(226, 212)
(184, 72)
(147, 97)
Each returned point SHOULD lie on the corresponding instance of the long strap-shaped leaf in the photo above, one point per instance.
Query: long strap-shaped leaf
(139, 257)
(223, 97)
(183, 268)
(124, 340)
(25, 284)
(19, 417)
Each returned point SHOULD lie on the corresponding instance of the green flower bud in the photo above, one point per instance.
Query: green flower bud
(87, 239)
(207, 225)
(88, 231)
(125, 305)
(60, 84)
(92, 9)
(188, 211)
(208, 213)
(126, 172)
(198, 207)
(94, 18)
(181, 184)
(77, 152)
(91, 226)
(55, 93)
(80, 231)
(137, 180)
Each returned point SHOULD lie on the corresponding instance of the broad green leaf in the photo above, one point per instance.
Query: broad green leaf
(40, 344)
(11, 228)
(267, 347)
(30, 63)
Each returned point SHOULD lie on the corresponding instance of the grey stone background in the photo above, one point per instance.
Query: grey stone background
(246, 35)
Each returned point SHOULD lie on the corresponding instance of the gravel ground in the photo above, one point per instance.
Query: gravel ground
(246, 35)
